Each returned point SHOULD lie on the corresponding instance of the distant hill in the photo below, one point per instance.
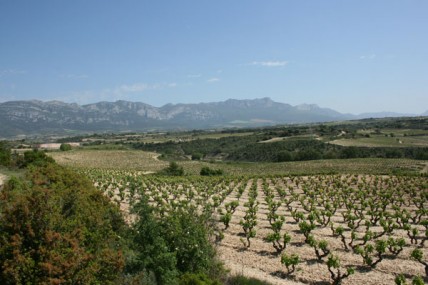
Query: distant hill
(55, 117)
(384, 115)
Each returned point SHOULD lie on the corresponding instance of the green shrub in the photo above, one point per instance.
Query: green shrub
(206, 171)
(5, 155)
(197, 156)
(65, 147)
(173, 246)
(173, 170)
(284, 155)
(56, 229)
(36, 158)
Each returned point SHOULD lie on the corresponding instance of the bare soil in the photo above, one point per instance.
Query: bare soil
(261, 260)
(2, 179)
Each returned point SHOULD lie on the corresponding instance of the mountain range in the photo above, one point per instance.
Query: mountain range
(29, 118)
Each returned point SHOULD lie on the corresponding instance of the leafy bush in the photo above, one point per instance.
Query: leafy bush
(290, 261)
(5, 156)
(36, 158)
(206, 171)
(284, 155)
(65, 147)
(173, 170)
(197, 156)
(57, 228)
(174, 245)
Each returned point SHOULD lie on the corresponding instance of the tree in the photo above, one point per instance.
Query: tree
(65, 147)
(5, 156)
(197, 156)
(284, 155)
(349, 152)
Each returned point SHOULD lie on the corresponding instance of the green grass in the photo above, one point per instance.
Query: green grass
(6, 173)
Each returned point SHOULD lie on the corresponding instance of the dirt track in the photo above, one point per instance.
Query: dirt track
(425, 170)
(2, 179)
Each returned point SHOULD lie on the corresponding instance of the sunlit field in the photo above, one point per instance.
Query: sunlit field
(285, 221)
(296, 228)
(147, 161)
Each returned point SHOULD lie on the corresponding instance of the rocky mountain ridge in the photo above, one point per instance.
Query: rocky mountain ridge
(54, 117)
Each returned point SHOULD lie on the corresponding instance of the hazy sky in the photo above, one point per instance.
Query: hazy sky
(353, 56)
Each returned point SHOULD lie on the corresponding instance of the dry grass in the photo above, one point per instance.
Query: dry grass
(2, 179)
(382, 141)
(147, 161)
(110, 159)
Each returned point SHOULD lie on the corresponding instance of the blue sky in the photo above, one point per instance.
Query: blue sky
(353, 56)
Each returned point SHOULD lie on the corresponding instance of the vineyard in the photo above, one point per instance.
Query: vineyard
(148, 162)
(320, 229)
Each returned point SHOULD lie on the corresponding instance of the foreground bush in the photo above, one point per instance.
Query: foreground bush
(175, 248)
(55, 228)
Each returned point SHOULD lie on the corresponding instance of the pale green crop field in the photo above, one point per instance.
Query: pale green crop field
(110, 159)
(148, 162)
(383, 141)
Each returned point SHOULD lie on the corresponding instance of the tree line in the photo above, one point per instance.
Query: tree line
(249, 148)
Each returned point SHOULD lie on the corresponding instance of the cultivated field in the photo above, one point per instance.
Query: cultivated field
(110, 159)
(354, 212)
(370, 223)
(421, 141)
(148, 162)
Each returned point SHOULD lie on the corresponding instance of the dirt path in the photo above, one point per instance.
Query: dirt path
(2, 179)
(239, 269)
(425, 169)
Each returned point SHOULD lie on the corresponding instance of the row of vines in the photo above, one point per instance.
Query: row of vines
(327, 228)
